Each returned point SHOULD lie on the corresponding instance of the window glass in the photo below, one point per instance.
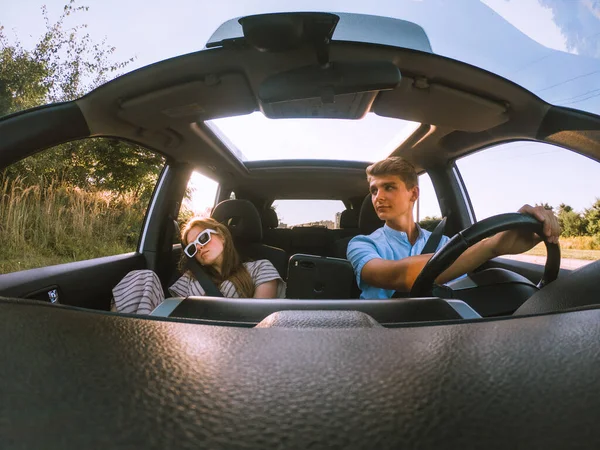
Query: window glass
(296, 213)
(254, 137)
(505, 177)
(76, 201)
(427, 209)
(199, 199)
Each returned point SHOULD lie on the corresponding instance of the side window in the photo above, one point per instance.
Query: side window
(199, 198)
(505, 177)
(427, 209)
(76, 201)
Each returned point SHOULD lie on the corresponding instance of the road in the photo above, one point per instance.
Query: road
(570, 264)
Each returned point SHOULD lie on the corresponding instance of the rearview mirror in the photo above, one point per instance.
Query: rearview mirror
(327, 82)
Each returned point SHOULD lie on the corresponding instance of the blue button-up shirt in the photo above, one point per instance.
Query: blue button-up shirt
(384, 243)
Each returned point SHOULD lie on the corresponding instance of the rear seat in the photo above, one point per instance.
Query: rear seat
(276, 237)
(311, 240)
(348, 224)
(308, 240)
(368, 222)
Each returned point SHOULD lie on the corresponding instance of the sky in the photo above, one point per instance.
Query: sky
(551, 47)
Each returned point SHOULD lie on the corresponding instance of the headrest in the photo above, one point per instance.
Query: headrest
(242, 219)
(269, 218)
(349, 218)
(368, 220)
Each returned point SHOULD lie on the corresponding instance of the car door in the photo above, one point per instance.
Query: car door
(72, 220)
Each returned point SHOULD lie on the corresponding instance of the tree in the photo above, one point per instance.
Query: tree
(592, 216)
(546, 206)
(571, 222)
(429, 223)
(62, 66)
(564, 208)
(21, 78)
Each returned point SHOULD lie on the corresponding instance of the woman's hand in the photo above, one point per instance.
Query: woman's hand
(519, 241)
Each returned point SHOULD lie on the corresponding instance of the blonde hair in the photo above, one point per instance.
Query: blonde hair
(394, 165)
(232, 268)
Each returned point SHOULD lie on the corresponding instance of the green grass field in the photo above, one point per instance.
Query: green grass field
(567, 253)
(50, 224)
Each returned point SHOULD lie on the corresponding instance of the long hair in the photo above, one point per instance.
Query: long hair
(232, 269)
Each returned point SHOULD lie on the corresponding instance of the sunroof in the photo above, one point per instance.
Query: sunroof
(254, 137)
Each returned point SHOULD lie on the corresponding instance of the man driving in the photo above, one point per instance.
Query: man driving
(390, 259)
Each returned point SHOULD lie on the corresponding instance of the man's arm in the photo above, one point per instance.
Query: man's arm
(401, 275)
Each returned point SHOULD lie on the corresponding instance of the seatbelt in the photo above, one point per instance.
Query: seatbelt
(430, 247)
(434, 239)
(207, 284)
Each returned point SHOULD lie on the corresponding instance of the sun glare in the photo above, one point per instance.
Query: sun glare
(258, 138)
(201, 195)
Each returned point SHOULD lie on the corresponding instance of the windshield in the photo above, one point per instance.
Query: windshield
(551, 47)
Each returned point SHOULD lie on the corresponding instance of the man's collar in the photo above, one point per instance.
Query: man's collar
(403, 234)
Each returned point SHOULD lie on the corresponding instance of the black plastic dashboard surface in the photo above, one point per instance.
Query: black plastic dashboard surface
(77, 379)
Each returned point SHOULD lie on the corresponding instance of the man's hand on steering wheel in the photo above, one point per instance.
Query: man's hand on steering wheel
(519, 240)
(505, 234)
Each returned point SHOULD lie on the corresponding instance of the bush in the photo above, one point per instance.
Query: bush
(429, 223)
(572, 223)
(592, 216)
(64, 223)
(580, 243)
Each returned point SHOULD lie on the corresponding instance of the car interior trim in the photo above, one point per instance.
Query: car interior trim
(151, 209)
(467, 202)
(166, 307)
(462, 308)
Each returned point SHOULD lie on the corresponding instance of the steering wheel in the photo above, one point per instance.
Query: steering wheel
(455, 247)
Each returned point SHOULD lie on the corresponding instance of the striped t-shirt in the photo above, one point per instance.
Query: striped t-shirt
(140, 291)
(260, 271)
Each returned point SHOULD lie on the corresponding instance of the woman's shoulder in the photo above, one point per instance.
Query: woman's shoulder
(260, 266)
(258, 263)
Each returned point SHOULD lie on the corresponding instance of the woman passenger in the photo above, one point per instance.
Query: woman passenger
(211, 244)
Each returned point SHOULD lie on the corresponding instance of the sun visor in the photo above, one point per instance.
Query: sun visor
(340, 90)
(418, 100)
(346, 106)
(212, 97)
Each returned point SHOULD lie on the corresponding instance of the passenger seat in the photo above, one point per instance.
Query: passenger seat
(243, 220)
(311, 240)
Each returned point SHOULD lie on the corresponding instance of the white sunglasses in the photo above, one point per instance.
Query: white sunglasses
(202, 239)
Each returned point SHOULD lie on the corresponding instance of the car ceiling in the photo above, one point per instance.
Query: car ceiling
(462, 109)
